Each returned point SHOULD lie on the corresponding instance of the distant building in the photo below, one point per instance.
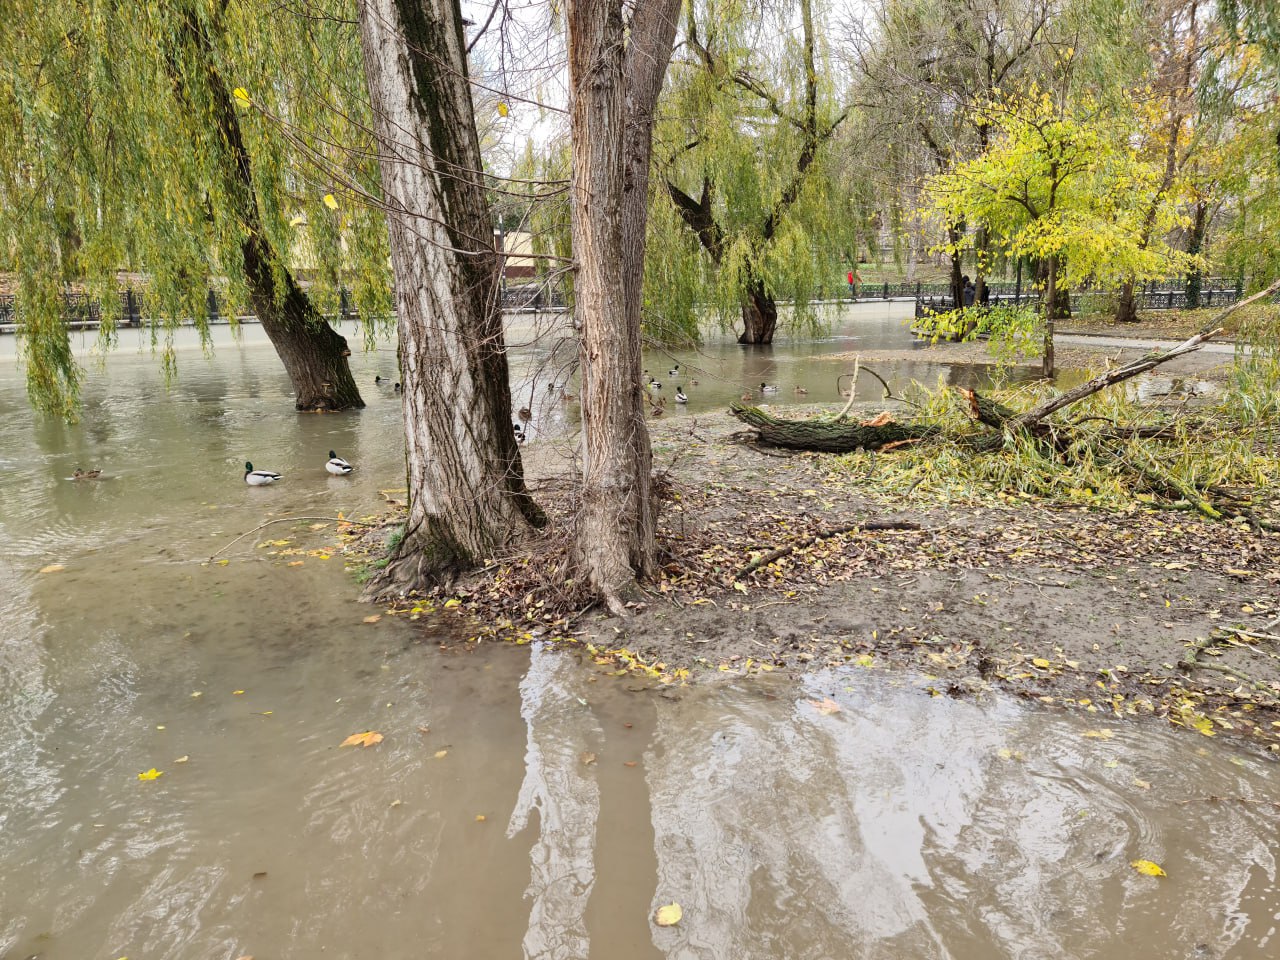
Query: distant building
(521, 266)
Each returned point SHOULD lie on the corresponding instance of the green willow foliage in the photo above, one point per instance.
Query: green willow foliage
(733, 116)
(115, 164)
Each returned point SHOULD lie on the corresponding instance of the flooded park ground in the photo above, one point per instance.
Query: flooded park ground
(872, 794)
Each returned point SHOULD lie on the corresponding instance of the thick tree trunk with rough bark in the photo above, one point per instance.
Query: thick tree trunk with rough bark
(1127, 302)
(467, 495)
(759, 316)
(613, 88)
(313, 353)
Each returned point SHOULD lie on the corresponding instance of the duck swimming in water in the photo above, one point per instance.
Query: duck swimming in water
(336, 465)
(259, 478)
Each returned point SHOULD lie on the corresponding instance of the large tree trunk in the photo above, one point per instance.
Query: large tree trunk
(1127, 302)
(1195, 243)
(759, 316)
(313, 353)
(466, 485)
(611, 105)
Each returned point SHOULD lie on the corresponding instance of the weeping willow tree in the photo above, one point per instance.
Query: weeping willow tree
(746, 209)
(203, 145)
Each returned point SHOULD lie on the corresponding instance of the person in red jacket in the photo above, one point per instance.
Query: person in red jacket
(853, 284)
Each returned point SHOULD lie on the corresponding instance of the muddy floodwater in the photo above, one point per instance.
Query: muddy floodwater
(522, 803)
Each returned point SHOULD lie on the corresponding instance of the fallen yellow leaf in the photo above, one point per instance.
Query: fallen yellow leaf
(236, 693)
(1103, 734)
(182, 759)
(151, 774)
(441, 754)
(366, 739)
(1042, 663)
(669, 915)
(480, 818)
(1147, 868)
(53, 568)
(826, 705)
(373, 619)
(330, 202)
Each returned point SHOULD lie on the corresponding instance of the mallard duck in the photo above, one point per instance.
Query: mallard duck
(693, 383)
(86, 474)
(654, 384)
(336, 465)
(801, 390)
(397, 386)
(519, 432)
(525, 414)
(747, 397)
(674, 371)
(382, 381)
(680, 397)
(768, 388)
(259, 478)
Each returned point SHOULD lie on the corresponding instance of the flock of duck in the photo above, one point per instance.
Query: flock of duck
(340, 467)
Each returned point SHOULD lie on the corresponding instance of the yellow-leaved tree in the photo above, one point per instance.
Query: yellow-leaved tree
(1062, 184)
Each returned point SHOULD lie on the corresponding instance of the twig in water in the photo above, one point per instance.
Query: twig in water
(362, 523)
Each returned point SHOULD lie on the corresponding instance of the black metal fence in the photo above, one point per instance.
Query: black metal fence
(1155, 295)
(79, 310)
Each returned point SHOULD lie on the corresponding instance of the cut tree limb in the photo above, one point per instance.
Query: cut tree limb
(827, 436)
(1033, 416)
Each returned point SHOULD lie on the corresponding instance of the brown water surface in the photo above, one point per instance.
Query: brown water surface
(901, 826)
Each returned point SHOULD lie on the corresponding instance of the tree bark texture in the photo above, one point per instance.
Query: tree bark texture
(467, 495)
(1127, 302)
(829, 436)
(759, 316)
(613, 89)
(313, 353)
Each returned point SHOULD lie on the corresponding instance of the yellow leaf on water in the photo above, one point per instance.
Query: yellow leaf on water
(503, 109)
(826, 705)
(1147, 868)
(669, 915)
(330, 201)
(480, 818)
(53, 568)
(441, 754)
(1103, 734)
(241, 95)
(151, 774)
(236, 693)
(182, 759)
(366, 739)
(373, 619)
(295, 563)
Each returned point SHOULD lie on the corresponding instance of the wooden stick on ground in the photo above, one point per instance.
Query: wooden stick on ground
(772, 555)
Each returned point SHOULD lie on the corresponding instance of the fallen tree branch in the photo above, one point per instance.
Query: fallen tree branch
(828, 436)
(1033, 416)
(774, 555)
